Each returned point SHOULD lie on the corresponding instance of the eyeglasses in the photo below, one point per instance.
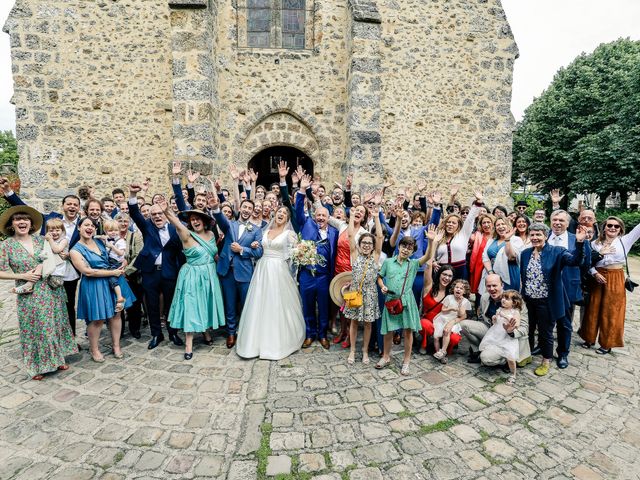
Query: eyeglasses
(613, 225)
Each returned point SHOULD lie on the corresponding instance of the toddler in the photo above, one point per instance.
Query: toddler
(117, 248)
(453, 311)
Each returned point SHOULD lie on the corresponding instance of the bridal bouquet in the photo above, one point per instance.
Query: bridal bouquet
(305, 254)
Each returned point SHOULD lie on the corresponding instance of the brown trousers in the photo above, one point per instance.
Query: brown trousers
(605, 312)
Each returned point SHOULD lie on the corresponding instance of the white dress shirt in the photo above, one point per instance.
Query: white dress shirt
(561, 240)
(164, 238)
(70, 273)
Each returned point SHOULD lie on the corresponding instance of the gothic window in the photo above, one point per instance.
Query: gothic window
(276, 24)
(259, 23)
(293, 20)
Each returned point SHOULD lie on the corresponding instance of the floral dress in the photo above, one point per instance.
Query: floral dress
(45, 334)
(370, 309)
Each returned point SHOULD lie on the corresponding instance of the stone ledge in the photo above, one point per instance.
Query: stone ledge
(188, 3)
(365, 11)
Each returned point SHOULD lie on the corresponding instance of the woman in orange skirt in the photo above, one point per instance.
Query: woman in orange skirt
(605, 312)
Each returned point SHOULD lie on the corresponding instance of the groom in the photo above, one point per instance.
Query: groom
(235, 263)
(314, 288)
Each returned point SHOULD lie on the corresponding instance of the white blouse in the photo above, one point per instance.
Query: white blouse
(617, 256)
(460, 241)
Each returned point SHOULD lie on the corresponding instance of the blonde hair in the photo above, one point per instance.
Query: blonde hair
(110, 225)
(515, 297)
(54, 223)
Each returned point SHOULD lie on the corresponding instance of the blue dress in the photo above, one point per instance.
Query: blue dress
(96, 298)
(197, 303)
(514, 269)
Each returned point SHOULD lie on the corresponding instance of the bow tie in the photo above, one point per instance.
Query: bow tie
(240, 222)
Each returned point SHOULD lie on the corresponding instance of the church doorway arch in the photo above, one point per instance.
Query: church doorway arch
(265, 164)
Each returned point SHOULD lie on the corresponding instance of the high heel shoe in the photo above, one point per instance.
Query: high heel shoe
(188, 356)
(207, 341)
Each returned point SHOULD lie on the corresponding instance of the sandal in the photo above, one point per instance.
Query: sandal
(439, 354)
(586, 345)
(511, 380)
(365, 360)
(97, 359)
(62, 368)
(382, 363)
(603, 351)
(405, 369)
(351, 359)
(118, 355)
(207, 339)
(37, 377)
(23, 289)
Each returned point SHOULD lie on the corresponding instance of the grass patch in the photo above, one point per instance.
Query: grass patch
(484, 435)
(492, 460)
(406, 414)
(441, 426)
(287, 365)
(481, 400)
(327, 460)
(345, 474)
(264, 451)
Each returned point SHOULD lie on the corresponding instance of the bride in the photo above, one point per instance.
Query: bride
(272, 326)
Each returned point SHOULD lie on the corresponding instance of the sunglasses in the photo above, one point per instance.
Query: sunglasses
(613, 225)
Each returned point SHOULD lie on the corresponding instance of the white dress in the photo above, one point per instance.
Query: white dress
(498, 340)
(442, 319)
(272, 325)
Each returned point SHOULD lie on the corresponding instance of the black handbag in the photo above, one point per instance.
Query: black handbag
(628, 283)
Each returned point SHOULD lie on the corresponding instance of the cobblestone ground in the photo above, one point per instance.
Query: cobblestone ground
(153, 415)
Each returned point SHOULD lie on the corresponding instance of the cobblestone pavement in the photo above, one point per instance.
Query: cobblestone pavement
(153, 415)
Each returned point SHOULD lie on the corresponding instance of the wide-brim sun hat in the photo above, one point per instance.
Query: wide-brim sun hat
(184, 215)
(337, 286)
(36, 218)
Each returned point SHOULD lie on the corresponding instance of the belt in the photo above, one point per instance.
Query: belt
(157, 267)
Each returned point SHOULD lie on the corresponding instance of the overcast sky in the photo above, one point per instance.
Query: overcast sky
(549, 33)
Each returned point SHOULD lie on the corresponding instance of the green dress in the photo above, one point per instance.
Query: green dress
(45, 334)
(393, 273)
(197, 302)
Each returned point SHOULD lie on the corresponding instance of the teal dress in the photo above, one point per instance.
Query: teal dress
(197, 302)
(393, 274)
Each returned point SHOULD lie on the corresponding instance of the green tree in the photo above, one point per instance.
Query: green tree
(583, 132)
(8, 148)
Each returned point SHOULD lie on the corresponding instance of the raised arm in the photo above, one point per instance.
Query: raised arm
(183, 232)
(176, 187)
(396, 230)
(351, 231)
(213, 202)
(134, 210)
(434, 236)
(56, 247)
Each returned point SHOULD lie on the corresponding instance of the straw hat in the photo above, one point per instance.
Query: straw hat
(36, 218)
(184, 215)
(337, 285)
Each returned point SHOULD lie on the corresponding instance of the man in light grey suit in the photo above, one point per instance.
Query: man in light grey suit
(475, 330)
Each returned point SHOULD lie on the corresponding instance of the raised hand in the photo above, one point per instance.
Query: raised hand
(453, 191)
(421, 186)
(555, 196)
(436, 197)
(607, 250)
(581, 234)
(162, 203)
(243, 176)
(134, 187)
(216, 185)
(233, 170)
(176, 168)
(283, 170)
(212, 201)
(510, 233)
(431, 232)
(305, 182)
(253, 175)
(144, 186)
(478, 195)
(377, 197)
(192, 176)
(348, 182)
(5, 185)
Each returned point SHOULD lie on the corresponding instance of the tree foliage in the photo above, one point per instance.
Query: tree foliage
(583, 132)
(8, 148)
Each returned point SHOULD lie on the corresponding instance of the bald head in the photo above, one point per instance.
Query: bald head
(322, 217)
(493, 282)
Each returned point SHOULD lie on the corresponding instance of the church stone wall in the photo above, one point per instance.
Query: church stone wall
(446, 93)
(92, 85)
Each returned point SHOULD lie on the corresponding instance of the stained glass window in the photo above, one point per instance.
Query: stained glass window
(259, 23)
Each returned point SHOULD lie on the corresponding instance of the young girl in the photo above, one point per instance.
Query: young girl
(497, 337)
(117, 248)
(453, 311)
(54, 268)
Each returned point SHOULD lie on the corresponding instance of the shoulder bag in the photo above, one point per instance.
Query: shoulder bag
(628, 283)
(353, 298)
(395, 307)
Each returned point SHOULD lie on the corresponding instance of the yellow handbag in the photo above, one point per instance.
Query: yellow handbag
(353, 298)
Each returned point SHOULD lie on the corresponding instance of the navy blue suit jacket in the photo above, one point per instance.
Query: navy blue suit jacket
(242, 262)
(309, 231)
(14, 200)
(553, 261)
(571, 276)
(172, 256)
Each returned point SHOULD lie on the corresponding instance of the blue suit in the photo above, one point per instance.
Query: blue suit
(161, 278)
(572, 281)
(235, 269)
(314, 289)
(557, 305)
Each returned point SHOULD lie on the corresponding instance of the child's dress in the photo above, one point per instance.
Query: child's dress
(443, 318)
(497, 338)
(53, 267)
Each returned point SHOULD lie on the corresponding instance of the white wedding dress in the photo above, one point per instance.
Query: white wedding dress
(272, 326)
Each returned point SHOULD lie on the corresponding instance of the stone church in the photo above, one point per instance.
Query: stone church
(107, 91)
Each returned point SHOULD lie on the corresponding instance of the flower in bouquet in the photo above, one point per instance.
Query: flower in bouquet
(305, 254)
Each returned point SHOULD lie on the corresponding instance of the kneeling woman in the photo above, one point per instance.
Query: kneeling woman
(197, 302)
